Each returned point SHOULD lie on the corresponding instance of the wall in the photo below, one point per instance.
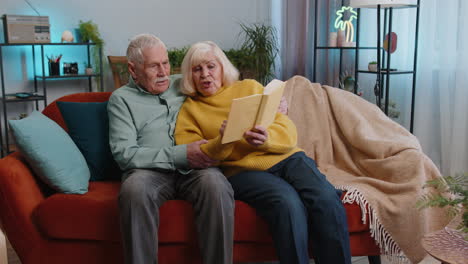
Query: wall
(177, 22)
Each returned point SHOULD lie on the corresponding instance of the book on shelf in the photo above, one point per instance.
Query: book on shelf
(250, 111)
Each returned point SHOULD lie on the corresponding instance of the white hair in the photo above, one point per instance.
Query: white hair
(140, 42)
(197, 54)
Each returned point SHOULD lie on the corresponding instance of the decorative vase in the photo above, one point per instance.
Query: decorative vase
(332, 39)
(372, 67)
(341, 38)
(77, 35)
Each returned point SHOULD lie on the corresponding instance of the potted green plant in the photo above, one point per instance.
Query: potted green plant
(88, 68)
(176, 56)
(241, 58)
(89, 32)
(372, 66)
(260, 47)
(452, 193)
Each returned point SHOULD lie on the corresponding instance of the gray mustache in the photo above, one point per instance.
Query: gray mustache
(165, 78)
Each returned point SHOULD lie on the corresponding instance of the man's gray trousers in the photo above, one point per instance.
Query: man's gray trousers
(143, 191)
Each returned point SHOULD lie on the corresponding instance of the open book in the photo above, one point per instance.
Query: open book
(249, 111)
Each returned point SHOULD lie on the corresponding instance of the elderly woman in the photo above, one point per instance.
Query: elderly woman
(266, 169)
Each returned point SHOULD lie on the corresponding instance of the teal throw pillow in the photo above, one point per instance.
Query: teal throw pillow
(88, 126)
(51, 153)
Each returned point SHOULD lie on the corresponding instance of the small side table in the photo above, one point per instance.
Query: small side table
(447, 245)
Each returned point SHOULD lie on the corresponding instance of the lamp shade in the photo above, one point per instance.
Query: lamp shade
(382, 3)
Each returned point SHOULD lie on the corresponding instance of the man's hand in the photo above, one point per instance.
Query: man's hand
(196, 158)
(256, 136)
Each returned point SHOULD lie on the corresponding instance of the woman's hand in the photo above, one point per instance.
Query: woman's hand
(256, 136)
(222, 128)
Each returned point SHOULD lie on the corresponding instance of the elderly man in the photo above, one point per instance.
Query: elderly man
(142, 116)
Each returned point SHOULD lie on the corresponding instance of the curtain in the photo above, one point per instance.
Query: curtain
(294, 37)
(441, 109)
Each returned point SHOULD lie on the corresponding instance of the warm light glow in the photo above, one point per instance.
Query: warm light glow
(346, 25)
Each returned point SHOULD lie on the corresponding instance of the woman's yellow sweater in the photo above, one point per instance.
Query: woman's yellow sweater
(201, 117)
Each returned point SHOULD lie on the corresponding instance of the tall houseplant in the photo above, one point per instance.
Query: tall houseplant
(90, 33)
(261, 45)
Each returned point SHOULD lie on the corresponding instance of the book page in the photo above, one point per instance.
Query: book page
(270, 103)
(241, 117)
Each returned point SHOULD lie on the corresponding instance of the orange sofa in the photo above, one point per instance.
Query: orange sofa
(54, 228)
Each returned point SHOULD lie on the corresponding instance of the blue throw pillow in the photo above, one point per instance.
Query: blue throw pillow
(51, 153)
(88, 126)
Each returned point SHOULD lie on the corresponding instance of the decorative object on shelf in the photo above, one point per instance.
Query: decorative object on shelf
(67, 36)
(54, 65)
(73, 67)
(54, 68)
(70, 68)
(261, 45)
(66, 68)
(341, 38)
(377, 92)
(372, 66)
(88, 68)
(348, 83)
(24, 29)
(346, 25)
(333, 39)
(23, 95)
(393, 44)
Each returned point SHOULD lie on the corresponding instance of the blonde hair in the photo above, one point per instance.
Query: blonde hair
(196, 55)
(140, 42)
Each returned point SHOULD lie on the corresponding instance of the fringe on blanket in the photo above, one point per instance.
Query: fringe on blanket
(388, 247)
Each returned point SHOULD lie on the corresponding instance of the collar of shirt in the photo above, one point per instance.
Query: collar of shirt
(163, 95)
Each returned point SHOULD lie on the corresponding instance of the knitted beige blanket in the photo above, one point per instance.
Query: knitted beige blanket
(378, 162)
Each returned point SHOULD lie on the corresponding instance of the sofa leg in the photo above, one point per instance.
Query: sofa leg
(374, 259)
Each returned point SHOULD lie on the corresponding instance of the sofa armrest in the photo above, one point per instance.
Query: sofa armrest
(20, 194)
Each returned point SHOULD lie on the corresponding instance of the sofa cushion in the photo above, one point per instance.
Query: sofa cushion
(51, 153)
(94, 216)
(88, 126)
